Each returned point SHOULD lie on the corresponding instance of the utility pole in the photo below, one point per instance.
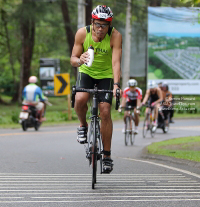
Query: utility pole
(127, 48)
(81, 17)
(81, 13)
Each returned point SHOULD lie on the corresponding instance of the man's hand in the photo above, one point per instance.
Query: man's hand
(142, 104)
(84, 58)
(114, 91)
(46, 99)
(138, 110)
(120, 109)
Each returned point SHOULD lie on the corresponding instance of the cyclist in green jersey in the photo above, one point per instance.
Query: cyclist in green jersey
(105, 72)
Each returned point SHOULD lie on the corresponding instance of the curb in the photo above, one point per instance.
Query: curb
(146, 155)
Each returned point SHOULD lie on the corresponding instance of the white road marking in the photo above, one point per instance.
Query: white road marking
(88, 201)
(164, 166)
(105, 193)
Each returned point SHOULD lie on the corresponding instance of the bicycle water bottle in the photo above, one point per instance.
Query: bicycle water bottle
(91, 58)
(151, 118)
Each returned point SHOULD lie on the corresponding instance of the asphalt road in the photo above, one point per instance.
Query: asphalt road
(48, 168)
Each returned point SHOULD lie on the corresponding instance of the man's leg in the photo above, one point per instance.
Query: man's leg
(81, 107)
(41, 113)
(156, 113)
(40, 108)
(136, 117)
(106, 132)
(81, 110)
(125, 115)
(106, 125)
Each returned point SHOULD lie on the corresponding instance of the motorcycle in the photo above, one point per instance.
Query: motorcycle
(29, 116)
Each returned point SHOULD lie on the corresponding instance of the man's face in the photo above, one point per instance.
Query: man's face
(100, 28)
(164, 88)
(160, 85)
(132, 88)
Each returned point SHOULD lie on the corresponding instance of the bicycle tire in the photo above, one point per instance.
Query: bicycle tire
(145, 129)
(127, 130)
(151, 128)
(90, 140)
(132, 135)
(94, 154)
(99, 147)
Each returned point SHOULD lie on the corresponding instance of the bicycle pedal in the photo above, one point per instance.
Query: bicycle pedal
(98, 157)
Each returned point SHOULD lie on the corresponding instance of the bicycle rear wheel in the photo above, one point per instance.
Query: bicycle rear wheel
(127, 130)
(94, 154)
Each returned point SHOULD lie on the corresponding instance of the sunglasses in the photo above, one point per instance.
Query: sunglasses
(103, 26)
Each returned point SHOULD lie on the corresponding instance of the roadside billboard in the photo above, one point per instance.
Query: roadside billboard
(174, 48)
(48, 68)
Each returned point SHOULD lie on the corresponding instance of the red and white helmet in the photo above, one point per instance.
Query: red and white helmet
(32, 79)
(102, 13)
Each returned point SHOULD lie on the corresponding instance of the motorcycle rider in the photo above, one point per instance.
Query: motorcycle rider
(32, 95)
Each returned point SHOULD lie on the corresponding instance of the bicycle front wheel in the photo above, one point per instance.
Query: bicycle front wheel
(152, 128)
(94, 154)
(145, 127)
(127, 130)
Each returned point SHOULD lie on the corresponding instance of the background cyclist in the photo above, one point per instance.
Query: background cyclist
(167, 103)
(154, 97)
(132, 96)
(107, 43)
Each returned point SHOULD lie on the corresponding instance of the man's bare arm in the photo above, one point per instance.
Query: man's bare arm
(116, 44)
(146, 96)
(116, 55)
(159, 95)
(77, 50)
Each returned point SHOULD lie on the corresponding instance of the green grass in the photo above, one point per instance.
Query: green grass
(55, 114)
(58, 113)
(187, 148)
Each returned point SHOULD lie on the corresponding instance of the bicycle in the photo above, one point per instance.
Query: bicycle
(94, 148)
(148, 122)
(128, 132)
(161, 120)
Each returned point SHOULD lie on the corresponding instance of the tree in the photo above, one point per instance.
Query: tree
(88, 11)
(27, 37)
(155, 2)
(191, 2)
(68, 29)
(4, 20)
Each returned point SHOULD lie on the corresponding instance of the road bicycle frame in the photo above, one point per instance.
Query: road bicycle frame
(94, 149)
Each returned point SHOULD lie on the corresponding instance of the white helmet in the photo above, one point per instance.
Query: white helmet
(152, 84)
(132, 82)
(102, 12)
(32, 79)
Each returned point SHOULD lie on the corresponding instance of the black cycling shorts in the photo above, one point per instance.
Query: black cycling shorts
(87, 82)
(165, 112)
(151, 100)
(131, 103)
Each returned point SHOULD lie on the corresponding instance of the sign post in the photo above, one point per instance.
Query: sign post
(62, 88)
